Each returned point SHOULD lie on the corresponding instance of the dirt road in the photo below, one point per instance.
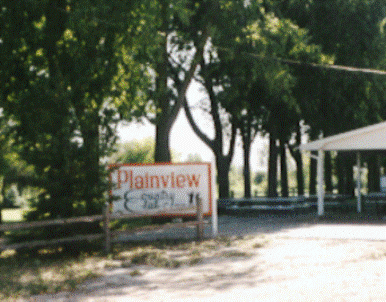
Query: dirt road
(270, 259)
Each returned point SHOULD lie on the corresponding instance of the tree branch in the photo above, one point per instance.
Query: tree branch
(195, 127)
(214, 112)
(189, 76)
(232, 144)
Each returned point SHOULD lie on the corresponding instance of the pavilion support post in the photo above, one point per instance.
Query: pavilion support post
(320, 178)
(359, 195)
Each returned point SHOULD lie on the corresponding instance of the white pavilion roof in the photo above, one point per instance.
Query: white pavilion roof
(367, 138)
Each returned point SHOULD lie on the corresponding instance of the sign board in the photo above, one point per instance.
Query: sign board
(161, 189)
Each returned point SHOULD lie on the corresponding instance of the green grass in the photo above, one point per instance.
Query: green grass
(53, 270)
(12, 215)
(44, 273)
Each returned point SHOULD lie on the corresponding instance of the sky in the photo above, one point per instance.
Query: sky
(184, 141)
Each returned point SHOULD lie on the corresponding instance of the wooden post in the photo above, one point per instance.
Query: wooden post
(200, 220)
(359, 196)
(106, 222)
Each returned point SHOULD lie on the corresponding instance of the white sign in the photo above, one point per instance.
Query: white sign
(161, 189)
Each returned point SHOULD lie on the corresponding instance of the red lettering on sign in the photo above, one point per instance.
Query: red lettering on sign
(180, 181)
(154, 178)
(165, 182)
(145, 181)
(193, 180)
(139, 182)
(120, 178)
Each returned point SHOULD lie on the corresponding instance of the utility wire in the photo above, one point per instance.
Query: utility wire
(312, 65)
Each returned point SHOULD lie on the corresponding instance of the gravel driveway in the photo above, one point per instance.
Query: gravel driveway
(301, 260)
(236, 225)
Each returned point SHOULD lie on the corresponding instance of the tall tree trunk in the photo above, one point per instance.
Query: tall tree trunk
(223, 162)
(168, 110)
(283, 170)
(341, 174)
(61, 184)
(313, 173)
(299, 164)
(92, 173)
(299, 171)
(223, 167)
(247, 175)
(328, 172)
(297, 156)
(272, 167)
(345, 174)
(350, 174)
(164, 118)
(373, 176)
(299, 174)
(247, 141)
(162, 150)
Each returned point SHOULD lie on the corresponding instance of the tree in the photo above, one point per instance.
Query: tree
(297, 156)
(13, 170)
(172, 37)
(243, 97)
(64, 85)
(137, 151)
(246, 87)
(193, 157)
(248, 132)
(219, 73)
(349, 33)
(223, 159)
(279, 37)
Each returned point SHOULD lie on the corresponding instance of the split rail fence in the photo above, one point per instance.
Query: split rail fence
(107, 235)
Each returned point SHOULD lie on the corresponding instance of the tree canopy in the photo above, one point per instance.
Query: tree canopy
(62, 89)
(72, 70)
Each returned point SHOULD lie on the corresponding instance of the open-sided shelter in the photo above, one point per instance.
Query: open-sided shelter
(367, 138)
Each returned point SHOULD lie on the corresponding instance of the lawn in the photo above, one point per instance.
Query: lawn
(52, 270)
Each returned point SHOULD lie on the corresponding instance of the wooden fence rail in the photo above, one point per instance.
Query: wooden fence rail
(37, 224)
(107, 234)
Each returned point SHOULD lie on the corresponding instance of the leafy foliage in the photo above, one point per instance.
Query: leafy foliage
(64, 88)
(136, 152)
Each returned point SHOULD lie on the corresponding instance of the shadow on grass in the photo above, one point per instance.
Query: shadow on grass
(47, 272)
(43, 270)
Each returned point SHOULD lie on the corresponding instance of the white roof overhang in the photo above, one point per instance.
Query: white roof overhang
(368, 138)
